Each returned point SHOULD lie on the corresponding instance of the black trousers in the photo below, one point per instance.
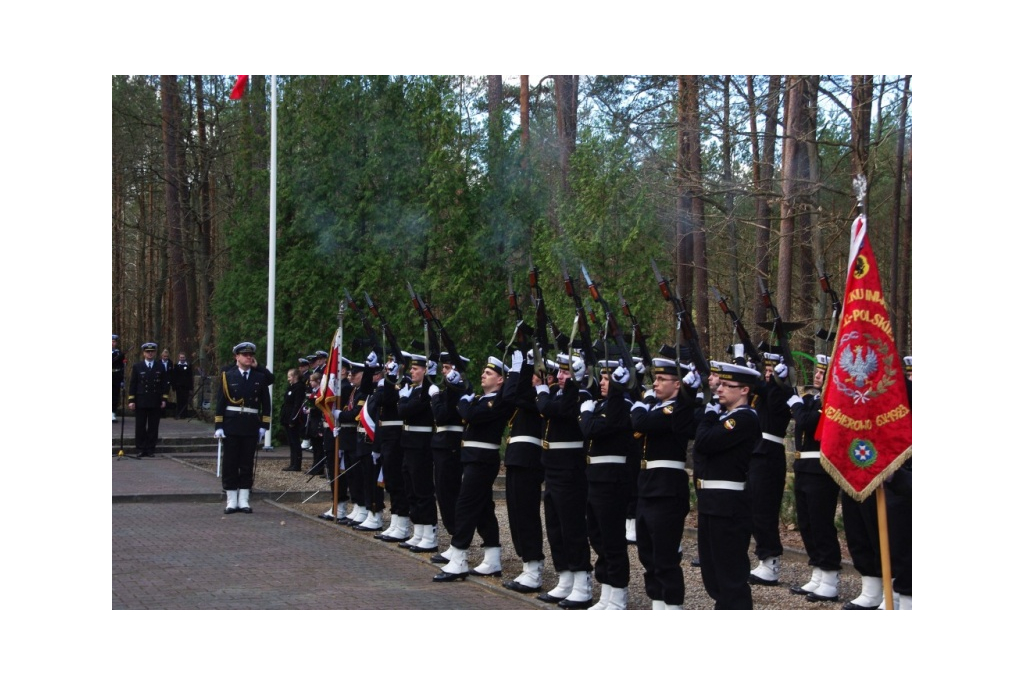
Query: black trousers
(181, 397)
(294, 446)
(474, 510)
(419, 485)
(319, 455)
(373, 491)
(722, 543)
(606, 528)
(341, 483)
(898, 511)
(117, 397)
(447, 483)
(392, 456)
(817, 496)
(147, 427)
(767, 481)
(659, 532)
(239, 461)
(522, 498)
(565, 517)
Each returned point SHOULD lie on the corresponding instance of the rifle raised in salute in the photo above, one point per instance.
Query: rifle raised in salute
(581, 321)
(612, 327)
(741, 331)
(394, 349)
(837, 305)
(543, 321)
(684, 329)
(367, 326)
(430, 343)
(777, 326)
(638, 337)
(522, 334)
(446, 340)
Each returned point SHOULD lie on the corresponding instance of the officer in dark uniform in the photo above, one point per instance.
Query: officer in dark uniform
(293, 419)
(816, 494)
(768, 468)
(417, 460)
(242, 419)
(147, 397)
(565, 485)
(610, 445)
(446, 445)
(181, 379)
(664, 417)
(524, 480)
(118, 361)
(726, 437)
(485, 418)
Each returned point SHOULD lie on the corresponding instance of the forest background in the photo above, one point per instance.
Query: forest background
(459, 183)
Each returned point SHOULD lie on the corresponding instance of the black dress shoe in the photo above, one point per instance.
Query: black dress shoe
(325, 517)
(495, 574)
(757, 580)
(230, 510)
(423, 550)
(695, 562)
(445, 577)
(549, 599)
(404, 544)
(851, 605)
(245, 510)
(519, 587)
(574, 604)
(436, 559)
(391, 538)
(291, 468)
(797, 590)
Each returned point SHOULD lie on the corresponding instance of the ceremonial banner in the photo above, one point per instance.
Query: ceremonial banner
(330, 384)
(865, 426)
(239, 90)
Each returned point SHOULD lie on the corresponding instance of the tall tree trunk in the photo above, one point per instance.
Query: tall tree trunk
(764, 176)
(903, 322)
(684, 198)
(791, 162)
(808, 304)
(524, 118)
(860, 111)
(898, 266)
(697, 295)
(204, 271)
(566, 88)
(173, 178)
(727, 180)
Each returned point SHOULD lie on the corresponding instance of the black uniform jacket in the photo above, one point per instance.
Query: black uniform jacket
(721, 451)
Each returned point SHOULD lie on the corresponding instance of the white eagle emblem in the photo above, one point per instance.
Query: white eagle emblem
(858, 364)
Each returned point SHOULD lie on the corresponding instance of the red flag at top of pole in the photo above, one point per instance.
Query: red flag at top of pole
(865, 426)
(330, 383)
(239, 90)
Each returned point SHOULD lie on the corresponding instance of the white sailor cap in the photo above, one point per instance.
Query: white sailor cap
(734, 372)
(664, 366)
(495, 364)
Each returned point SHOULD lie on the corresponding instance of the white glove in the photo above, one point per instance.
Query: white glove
(529, 357)
(376, 456)
(713, 407)
(454, 377)
(467, 398)
(640, 405)
(794, 400)
(263, 432)
(336, 431)
(372, 359)
(621, 375)
(578, 370)
(649, 395)
(692, 380)
(434, 390)
(380, 383)
(405, 391)
(431, 368)
(542, 389)
(640, 368)
(219, 433)
(391, 370)
(336, 413)
(588, 405)
(517, 361)
(781, 370)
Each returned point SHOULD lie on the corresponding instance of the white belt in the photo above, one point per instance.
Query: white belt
(347, 425)
(810, 455)
(244, 410)
(419, 429)
(663, 464)
(524, 438)
(360, 429)
(481, 445)
(454, 429)
(772, 438)
(392, 423)
(720, 485)
(607, 459)
(561, 445)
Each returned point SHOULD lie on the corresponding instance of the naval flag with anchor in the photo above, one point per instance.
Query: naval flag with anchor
(865, 427)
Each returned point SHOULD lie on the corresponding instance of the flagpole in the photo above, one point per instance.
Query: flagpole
(883, 545)
(271, 289)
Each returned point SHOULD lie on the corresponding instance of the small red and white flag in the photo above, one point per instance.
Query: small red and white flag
(865, 428)
(239, 90)
(330, 384)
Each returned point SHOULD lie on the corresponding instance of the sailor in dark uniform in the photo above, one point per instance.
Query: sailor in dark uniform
(147, 397)
(241, 420)
(485, 418)
(768, 468)
(816, 494)
(524, 480)
(181, 379)
(446, 445)
(417, 460)
(118, 361)
(293, 419)
(368, 476)
(610, 445)
(387, 443)
(664, 417)
(565, 485)
(726, 437)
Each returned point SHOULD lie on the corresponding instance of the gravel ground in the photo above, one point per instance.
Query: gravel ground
(795, 571)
